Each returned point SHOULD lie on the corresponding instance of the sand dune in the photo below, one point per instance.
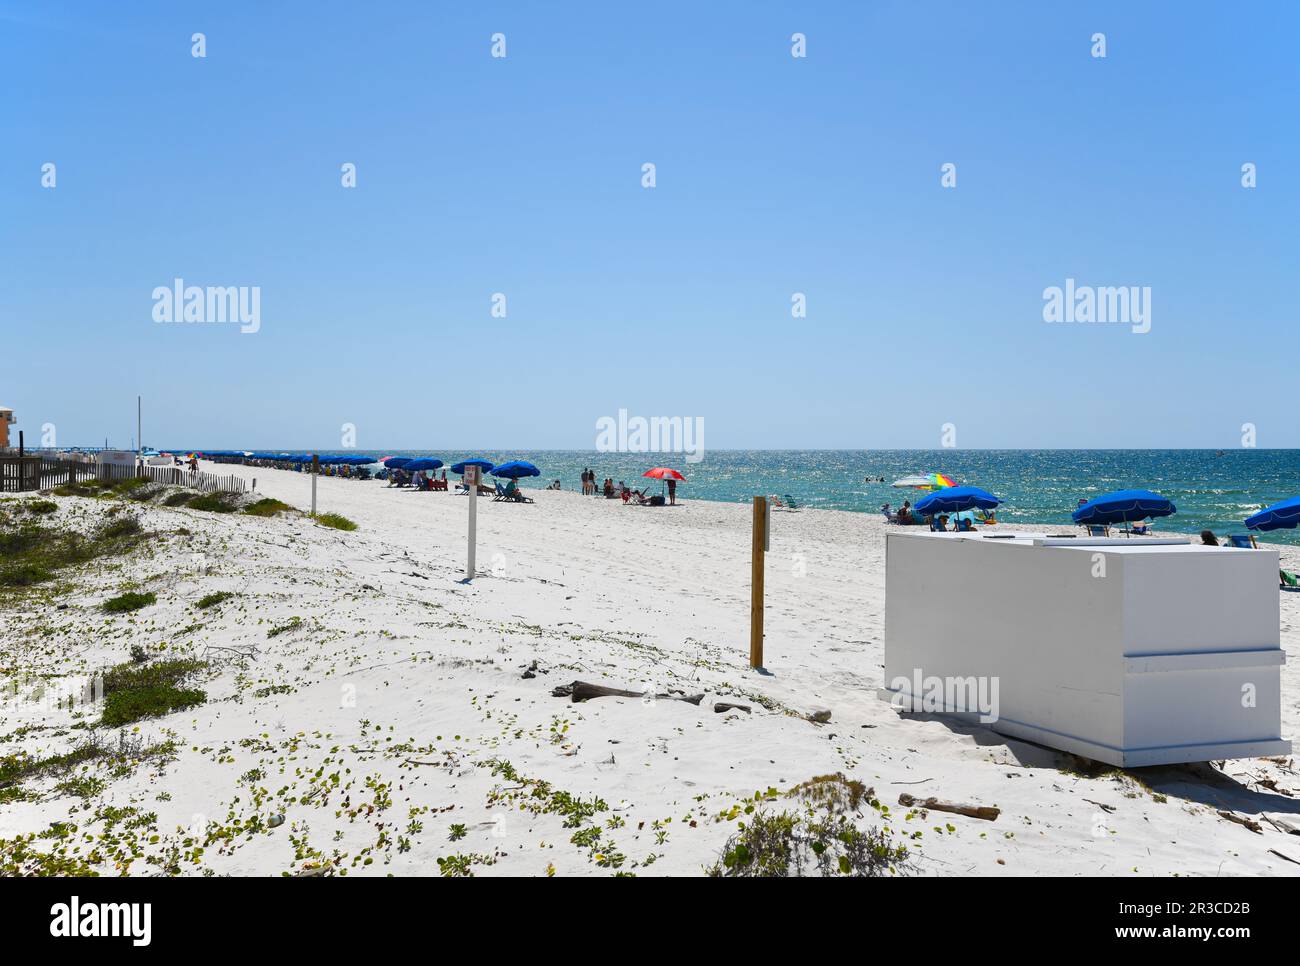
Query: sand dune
(389, 723)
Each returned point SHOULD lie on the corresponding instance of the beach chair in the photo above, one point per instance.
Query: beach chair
(1289, 580)
(500, 493)
(785, 502)
(513, 494)
(1098, 530)
(440, 485)
(1243, 541)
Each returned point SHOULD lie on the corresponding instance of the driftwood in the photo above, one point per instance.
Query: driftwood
(247, 652)
(722, 706)
(1249, 823)
(583, 691)
(1282, 824)
(989, 813)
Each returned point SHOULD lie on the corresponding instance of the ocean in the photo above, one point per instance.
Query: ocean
(1214, 489)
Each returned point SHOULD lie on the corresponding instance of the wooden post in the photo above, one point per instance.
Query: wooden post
(756, 601)
(315, 468)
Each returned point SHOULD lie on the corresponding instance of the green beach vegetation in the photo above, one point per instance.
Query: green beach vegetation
(134, 691)
(32, 553)
(212, 600)
(334, 520)
(267, 507)
(124, 603)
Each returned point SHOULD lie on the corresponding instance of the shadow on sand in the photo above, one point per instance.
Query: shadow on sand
(1199, 782)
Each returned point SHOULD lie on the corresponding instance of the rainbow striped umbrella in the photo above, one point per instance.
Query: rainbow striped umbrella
(928, 481)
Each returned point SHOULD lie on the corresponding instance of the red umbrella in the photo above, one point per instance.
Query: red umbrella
(664, 473)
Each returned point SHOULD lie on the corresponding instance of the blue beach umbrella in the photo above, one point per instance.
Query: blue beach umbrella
(484, 465)
(1279, 516)
(397, 462)
(955, 499)
(516, 469)
(423, 463)
(1124, 506)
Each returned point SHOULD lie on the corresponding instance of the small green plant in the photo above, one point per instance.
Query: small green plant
(212, 600)
(82, 786)
(40, 506)
(212, 503)
(456, 833)
(31, 553)
(335, 520)
(819, 837)
(24, 575)
(461, 866)
(134, 692)
(122, 527)
(292, 624)
(129, 601)
(267, 507)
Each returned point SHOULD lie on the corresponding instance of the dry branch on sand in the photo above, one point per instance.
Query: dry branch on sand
(583, 691)
(989, 813)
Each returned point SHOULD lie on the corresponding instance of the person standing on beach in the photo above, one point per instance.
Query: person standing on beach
(672, 492)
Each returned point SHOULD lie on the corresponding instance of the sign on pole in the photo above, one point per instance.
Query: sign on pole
(471, 481)
(762, 519)
(315, 468)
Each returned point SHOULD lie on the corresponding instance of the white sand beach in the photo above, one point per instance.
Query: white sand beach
(369, 733)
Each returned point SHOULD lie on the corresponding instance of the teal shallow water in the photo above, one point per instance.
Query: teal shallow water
(1214, 489)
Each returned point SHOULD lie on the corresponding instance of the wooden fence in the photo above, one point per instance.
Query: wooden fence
(19, 474)
(209, 482)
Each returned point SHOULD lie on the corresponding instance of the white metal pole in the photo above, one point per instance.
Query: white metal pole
(471, 480)
(139, 439)
(315, 468)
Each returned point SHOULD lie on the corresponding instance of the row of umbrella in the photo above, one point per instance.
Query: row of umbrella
(1121, 506)
(513, 470)
(326, 459)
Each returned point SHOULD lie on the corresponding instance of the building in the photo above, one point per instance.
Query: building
(6, 418)
(1133, 652)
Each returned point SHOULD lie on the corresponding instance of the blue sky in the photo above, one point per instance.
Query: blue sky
(775, 175)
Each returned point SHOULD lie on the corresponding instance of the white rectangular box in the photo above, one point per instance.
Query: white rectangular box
(1129, 651)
